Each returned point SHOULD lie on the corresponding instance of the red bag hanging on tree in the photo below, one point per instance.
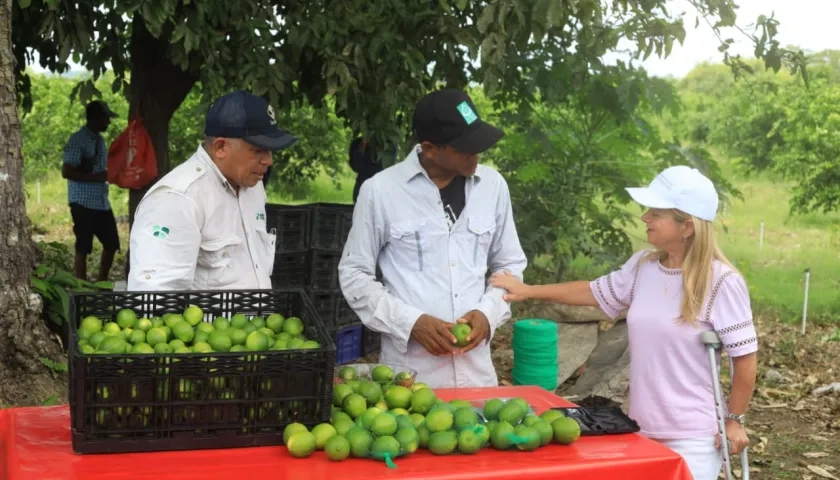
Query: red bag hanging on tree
(131, 158)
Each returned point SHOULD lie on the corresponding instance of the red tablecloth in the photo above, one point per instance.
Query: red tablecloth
(35, 445)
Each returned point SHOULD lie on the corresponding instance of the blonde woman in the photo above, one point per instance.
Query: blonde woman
(671, 294)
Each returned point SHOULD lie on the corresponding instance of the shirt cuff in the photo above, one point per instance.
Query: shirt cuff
(401, 322)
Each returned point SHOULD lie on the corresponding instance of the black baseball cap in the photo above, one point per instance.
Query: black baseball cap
(98, 107)
(242, 114)
(449, 117)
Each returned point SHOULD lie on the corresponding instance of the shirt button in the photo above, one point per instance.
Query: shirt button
(148, 277)
(197, 169)
(453, 264)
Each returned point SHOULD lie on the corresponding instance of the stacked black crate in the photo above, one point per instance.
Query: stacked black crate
(291, 224)
(330, 226)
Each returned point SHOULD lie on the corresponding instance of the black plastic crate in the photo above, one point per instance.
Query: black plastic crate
(371, 342)
(330, 225)
(155, 402)
(291, 269)
(323, 265)
(333, 308)
(292, 224)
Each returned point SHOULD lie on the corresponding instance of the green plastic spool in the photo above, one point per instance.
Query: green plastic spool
(535, 353)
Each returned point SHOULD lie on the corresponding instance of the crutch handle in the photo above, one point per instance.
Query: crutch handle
(710, 339)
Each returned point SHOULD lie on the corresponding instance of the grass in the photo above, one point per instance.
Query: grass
(774, 272)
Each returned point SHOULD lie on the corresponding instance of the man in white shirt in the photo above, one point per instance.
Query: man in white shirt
(203, 226)
(436, 224)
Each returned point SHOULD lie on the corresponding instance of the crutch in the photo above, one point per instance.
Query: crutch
(712, 342)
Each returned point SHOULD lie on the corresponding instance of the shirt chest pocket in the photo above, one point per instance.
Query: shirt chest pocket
(216, 258)
(409, 242)
(479, 236)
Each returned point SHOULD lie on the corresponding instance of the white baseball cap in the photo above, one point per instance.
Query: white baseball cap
(680, 187)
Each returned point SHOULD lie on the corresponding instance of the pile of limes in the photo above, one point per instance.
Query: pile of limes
(372, 421)
(186, 332)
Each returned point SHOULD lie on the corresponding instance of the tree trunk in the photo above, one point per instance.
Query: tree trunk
(24, 337)
(157, 89)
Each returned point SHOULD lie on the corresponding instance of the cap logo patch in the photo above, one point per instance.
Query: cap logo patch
(467, 112)
(270, 112)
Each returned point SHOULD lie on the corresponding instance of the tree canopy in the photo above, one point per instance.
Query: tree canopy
(374, 57)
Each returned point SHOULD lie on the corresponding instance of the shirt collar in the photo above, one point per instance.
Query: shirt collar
(412, 167)
(208, 162)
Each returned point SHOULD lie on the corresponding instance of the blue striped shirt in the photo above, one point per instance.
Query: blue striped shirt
(399, 224)
(93, 195)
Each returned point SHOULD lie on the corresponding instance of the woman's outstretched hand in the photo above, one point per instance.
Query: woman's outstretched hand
(517, 291)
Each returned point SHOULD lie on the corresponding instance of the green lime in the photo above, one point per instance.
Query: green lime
(301, 444)
(385, 445)
(156, 335)
(461, 331)
(205, 327)
(144, 324)
(219, 341)
(443, 442)
(193, 315)
(408, 439)
(354, 405)
(492, 408)
(382, 373)
(293, 428)
(293, 326)
(275, 322)
(126, 318)
(221, 323)
(322, 433)
(257, 322)
(566, 430)
(360, 442)
(239, 321)
(183, 331)
(337, 448)
(91, 324)
(384, 424)
(398, 397)
(439, 420)
(237, 336)
(469, 443)
(256, 341)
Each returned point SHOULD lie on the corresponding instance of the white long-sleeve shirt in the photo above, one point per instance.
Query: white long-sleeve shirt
(193, 232)
(399, 223)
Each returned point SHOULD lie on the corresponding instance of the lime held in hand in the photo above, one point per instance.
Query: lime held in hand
(461, 331)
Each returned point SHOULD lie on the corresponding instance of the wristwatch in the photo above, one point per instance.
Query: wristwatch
(738, 418)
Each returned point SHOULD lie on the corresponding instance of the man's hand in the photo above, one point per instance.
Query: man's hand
(480, 329)
(434, 334)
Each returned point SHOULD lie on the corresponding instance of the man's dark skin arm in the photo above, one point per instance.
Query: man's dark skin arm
(69, 172)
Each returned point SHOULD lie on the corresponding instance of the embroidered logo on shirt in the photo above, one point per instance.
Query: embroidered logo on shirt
(467, 112)
(160, 231)
(260, 216)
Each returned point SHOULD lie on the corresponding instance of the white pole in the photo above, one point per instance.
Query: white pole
(761, 237)
(805, 302)
(39, 191)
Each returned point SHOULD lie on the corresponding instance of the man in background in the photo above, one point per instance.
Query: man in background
(86, 170)
(364, 161)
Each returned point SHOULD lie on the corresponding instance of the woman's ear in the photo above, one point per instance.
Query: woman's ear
(688, 228)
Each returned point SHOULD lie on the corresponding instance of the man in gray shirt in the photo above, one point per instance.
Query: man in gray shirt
(436, 224)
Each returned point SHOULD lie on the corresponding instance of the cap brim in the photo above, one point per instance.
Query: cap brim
(647, 198)
(273, 141)
(478, 139)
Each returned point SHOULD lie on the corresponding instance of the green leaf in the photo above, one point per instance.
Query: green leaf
(461, 4)
(24, 3)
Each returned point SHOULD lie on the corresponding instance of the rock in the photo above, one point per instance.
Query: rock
(773, 377)
(571, 314)
(606, 372)
(575, 342)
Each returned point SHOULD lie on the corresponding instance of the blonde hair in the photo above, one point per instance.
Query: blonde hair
(697, 268)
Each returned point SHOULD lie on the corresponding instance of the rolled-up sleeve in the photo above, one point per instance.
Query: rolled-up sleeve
(505, 254)
(164, 243)
(376, 307)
